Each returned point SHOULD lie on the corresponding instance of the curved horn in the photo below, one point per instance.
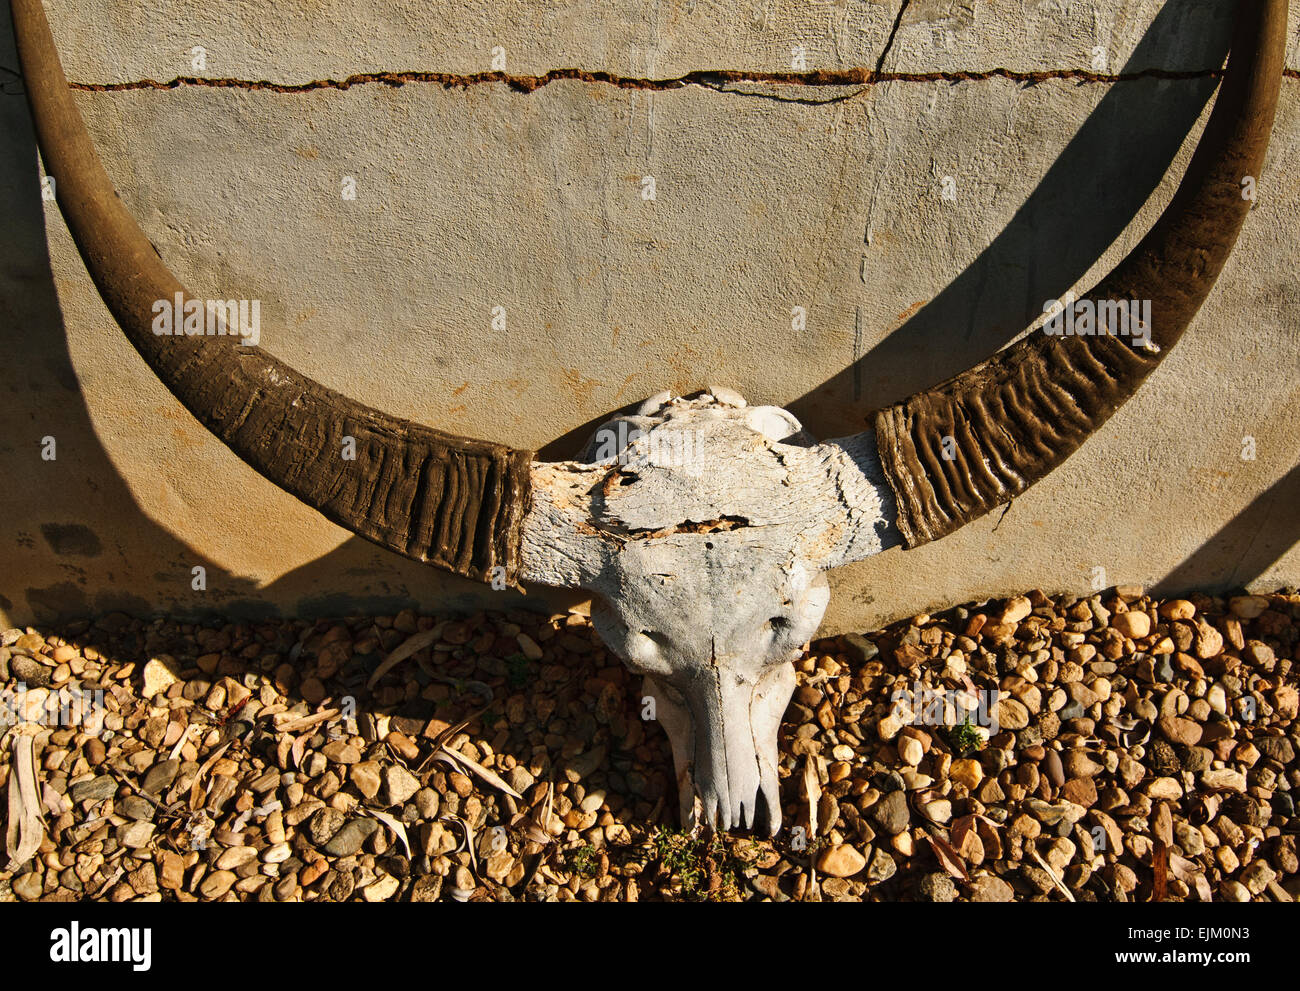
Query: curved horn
(450, 501)
(1021, 413)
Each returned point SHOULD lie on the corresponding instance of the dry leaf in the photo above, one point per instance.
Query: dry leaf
(948, 858)
(489, 776)
(534, 834)
(468, 839)
(412, 644)
(965, 839)
(180, 744)
(448, 734)
(550, 802)
(197, 792)
(396, 826)
(1160, 865)
(26, 826)
(1069, 895)
(813, 790)
(296, 724)
(299, 748)
(1190, 872)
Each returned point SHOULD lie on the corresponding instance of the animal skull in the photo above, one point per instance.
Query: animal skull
(702, 524)
(707, 587)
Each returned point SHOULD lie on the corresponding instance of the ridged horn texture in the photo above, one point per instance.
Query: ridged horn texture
(1021, 413)
(450, 501)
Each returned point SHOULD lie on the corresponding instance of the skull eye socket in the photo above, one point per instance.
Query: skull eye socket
(778, 625)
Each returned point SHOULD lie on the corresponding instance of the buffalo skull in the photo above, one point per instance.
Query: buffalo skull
(707, 564)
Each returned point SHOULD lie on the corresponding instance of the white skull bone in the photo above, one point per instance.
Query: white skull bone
(704, 525)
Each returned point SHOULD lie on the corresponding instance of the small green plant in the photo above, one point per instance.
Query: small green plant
(679, 852)
(706, 872)
(724, 872)
(518, 671)
(964, 739)
(584, 861)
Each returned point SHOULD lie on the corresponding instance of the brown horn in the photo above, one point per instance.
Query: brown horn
(1018, 415)
(450, 501)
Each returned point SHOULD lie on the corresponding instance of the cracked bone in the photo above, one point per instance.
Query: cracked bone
(705, 535)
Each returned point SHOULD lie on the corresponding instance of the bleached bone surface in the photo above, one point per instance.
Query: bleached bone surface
(704, 526)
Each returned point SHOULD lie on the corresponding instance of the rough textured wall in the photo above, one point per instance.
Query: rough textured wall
(767, 197)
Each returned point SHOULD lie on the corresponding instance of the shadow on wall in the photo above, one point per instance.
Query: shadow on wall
(111, 555)
(1252, 541)
(112, 547)
(1084, 202)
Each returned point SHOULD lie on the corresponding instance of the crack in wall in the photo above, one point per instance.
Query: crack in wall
(889, 43)
(711, 78)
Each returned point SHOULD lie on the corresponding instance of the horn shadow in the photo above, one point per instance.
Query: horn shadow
(1245, 547)
(73, 533)
(1083, 203)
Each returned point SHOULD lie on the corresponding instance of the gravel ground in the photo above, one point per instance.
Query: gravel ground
(1144, 751)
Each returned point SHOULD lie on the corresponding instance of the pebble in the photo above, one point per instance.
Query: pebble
(1224, 779)
(841, 861)
(891, 812)
(216, 884)
(1177, 609)
(860, 648)
(161, 776)
(93, 790)
(29, 672)
(158, 677)
(341, 752)
(1179, 731)
(1209, 641)
(277, 854)
(324, 824)
(135, 834)
(888, 727)
(937, 887)
(1080, 764)
(1234, 891)
(365, 777)
(991, 889)
(910, 750)
(347, 841)
(382, 889)
(1011, 714)
(1053, 769)
(235, 857)
(966, 772)
(1134, 625)
(1167, 789)
(399, 785)
(882, 866)
(1015, 610)
(1248, 606)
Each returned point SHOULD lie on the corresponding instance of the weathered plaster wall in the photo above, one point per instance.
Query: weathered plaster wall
(767, 198)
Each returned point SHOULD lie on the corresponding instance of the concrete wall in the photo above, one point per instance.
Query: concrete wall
(767, 197)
